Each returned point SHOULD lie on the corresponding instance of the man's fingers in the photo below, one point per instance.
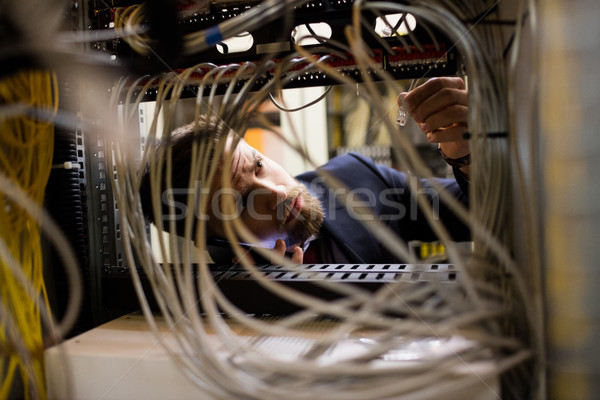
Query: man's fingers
(280, 247)
(452, 133)
(298, 255)
(440, 108)
(432, 86)
(456, 115)
(442, 101)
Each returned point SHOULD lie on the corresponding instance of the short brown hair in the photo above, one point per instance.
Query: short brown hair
(180, 141)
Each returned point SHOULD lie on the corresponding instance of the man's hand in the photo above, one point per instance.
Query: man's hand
(440, 107)
(297, 253)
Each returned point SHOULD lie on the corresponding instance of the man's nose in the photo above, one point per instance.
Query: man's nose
(273, 194)
(277, 196)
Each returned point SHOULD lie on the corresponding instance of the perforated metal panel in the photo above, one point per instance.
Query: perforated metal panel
(349, 273)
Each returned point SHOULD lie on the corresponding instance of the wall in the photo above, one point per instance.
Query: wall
(570, 95)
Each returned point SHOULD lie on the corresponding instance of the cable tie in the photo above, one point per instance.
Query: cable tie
(213, 35)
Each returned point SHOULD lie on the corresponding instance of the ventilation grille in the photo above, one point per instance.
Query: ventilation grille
(351, 273)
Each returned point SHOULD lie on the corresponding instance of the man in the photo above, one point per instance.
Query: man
(306, 216)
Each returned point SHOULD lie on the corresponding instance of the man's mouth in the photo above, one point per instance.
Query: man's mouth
(294, 209)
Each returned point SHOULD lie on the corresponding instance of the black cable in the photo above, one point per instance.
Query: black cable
(491, 135)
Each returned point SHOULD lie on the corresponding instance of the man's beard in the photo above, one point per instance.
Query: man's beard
(308, 221)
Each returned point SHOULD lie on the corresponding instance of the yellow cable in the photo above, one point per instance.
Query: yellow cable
(26, 147)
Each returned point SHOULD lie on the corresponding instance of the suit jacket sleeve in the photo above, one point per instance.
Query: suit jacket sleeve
(390, 195)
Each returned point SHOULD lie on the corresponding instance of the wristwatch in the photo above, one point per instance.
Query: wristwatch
(455, 162)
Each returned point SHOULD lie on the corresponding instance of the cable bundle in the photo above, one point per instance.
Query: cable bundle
(30, 102)
(25, 158)
(490, 305)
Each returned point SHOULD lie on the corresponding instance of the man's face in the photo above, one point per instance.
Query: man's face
(271, 203)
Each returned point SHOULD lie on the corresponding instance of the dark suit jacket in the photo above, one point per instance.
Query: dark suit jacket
(387, 192)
